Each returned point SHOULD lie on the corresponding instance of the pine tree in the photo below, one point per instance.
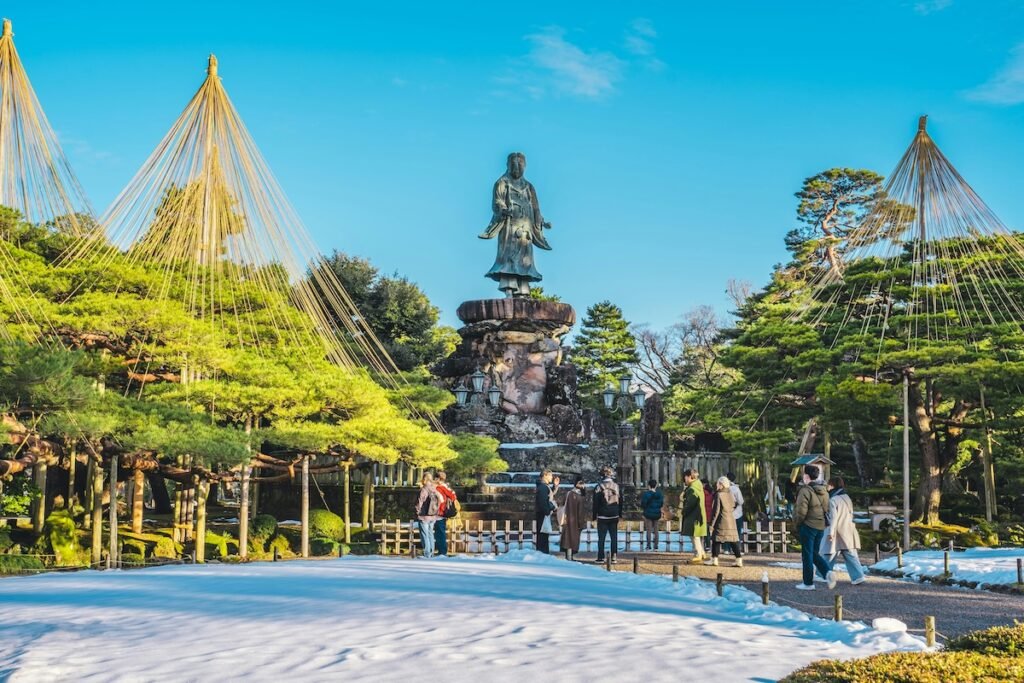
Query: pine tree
(603, 351)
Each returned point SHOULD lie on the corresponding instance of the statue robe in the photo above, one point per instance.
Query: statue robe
(519, 226)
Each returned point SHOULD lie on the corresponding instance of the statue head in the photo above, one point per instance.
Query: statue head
(516, 164)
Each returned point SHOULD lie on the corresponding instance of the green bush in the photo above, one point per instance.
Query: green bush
(284, 548)
(323, 546)
(133, 559)
(19, 564)
(5, 539)
(326, 524)
(60, 538)
(149, 544)
(998, 640)
(913, 667)
(263, 527)
(218, 546)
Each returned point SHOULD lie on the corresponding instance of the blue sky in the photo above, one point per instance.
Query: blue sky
(665, 139)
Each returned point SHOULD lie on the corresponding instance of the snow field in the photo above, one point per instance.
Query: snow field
(374, 618)
(983, 566)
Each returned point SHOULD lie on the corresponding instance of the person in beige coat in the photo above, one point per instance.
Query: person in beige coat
(722, 528)
(841, 537)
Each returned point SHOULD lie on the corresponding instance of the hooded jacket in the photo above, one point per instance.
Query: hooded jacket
(811, 506)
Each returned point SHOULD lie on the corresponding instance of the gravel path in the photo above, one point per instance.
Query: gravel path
(956, 610)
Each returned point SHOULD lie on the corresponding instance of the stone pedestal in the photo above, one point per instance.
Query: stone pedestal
(516, 343)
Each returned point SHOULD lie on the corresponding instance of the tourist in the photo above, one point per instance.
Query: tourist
(723, 529)
(841, 537)
(607, 510)
(428, 511)
(651, 503)
(574, 517)
(695, 521)
(544, 505)
(809, 513)
(791, 489)
(737, 497)
(449, 508)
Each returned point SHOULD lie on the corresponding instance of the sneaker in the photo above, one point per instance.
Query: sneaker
(697, 559)
(859, 581)
(615, 560)
(739, 562)
(804, 587)
(713, 562)
(831, 579)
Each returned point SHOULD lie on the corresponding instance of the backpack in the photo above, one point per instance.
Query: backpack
(432, 505)
(449, 508)
(611, 495)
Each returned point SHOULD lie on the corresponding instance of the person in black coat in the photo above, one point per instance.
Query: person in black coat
(544, 505)
(607, 510)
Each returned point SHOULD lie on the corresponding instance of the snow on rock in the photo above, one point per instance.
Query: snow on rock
(522, 616)
(982, 566)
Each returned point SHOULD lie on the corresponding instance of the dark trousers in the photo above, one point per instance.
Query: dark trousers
(716, 548)
(810, 543)
(605, 528)
(543, 542)
(441, 536)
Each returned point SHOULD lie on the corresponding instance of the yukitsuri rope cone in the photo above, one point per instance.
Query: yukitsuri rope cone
(206, 206)
(35, 180)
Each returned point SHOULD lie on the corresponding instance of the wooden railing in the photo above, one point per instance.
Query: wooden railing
(479, 537)
(668, 466)
(384, 476)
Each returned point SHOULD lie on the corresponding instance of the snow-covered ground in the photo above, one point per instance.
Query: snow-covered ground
(984, 566)
(522, 616)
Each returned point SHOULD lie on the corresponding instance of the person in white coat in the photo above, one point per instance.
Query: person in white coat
(841, 537)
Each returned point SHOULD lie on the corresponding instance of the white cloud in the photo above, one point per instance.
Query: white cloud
(570, 69)
(640, 38)
(924, 7)
(1007, 86)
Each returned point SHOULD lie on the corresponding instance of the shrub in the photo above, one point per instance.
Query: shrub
(19, 564)
(263, 527)
(5, 539)
(326, 524)
(218, 546)
(133, 559)
(913, 667)
(999, 640)
(323, 546)
(284, 548)
(61, 538)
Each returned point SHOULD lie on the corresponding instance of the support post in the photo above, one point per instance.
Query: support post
(243, 510)
(675, 573)
(945, 564)
(96, 508)
(839, 608)
(1020, 571)
(347, 503)
(636, 564)
(626, 434)
(202, 493)
(878, 554)
(112, 554)
(765, 589)
(899, 557)
(305, 506)
(906, 459)
(720, 584)
(138, 497)
(39, 504)
(929, 631)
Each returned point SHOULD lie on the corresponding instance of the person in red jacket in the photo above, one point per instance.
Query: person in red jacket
(441, 526)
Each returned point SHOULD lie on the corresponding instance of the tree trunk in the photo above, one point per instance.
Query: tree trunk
(929, 490)
(39, 504)
(96, 498)
(72, 498)
(161, 499)
(366, 498)
(138, 498)
(860, 457)
(305, 506)
(203, 492)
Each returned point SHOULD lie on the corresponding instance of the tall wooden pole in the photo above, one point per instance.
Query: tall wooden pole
(87, 521)
(39, 504)
(72, 468)
(305, 506)
(368, 474)
(243, 502)
(988, 462)
(138, 497)
(202, 493)
(96, 486)
(112, 560)
(906, 460)
(347, 501)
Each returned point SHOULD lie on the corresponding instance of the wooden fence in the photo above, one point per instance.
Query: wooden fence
(668, 466)
(396, 537)
(384, 476)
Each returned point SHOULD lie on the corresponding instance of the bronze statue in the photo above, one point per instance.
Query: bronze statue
(519, 226)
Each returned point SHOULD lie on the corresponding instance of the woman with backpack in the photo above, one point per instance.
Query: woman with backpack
(607, 510)
(449, 509)
(428, 511)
